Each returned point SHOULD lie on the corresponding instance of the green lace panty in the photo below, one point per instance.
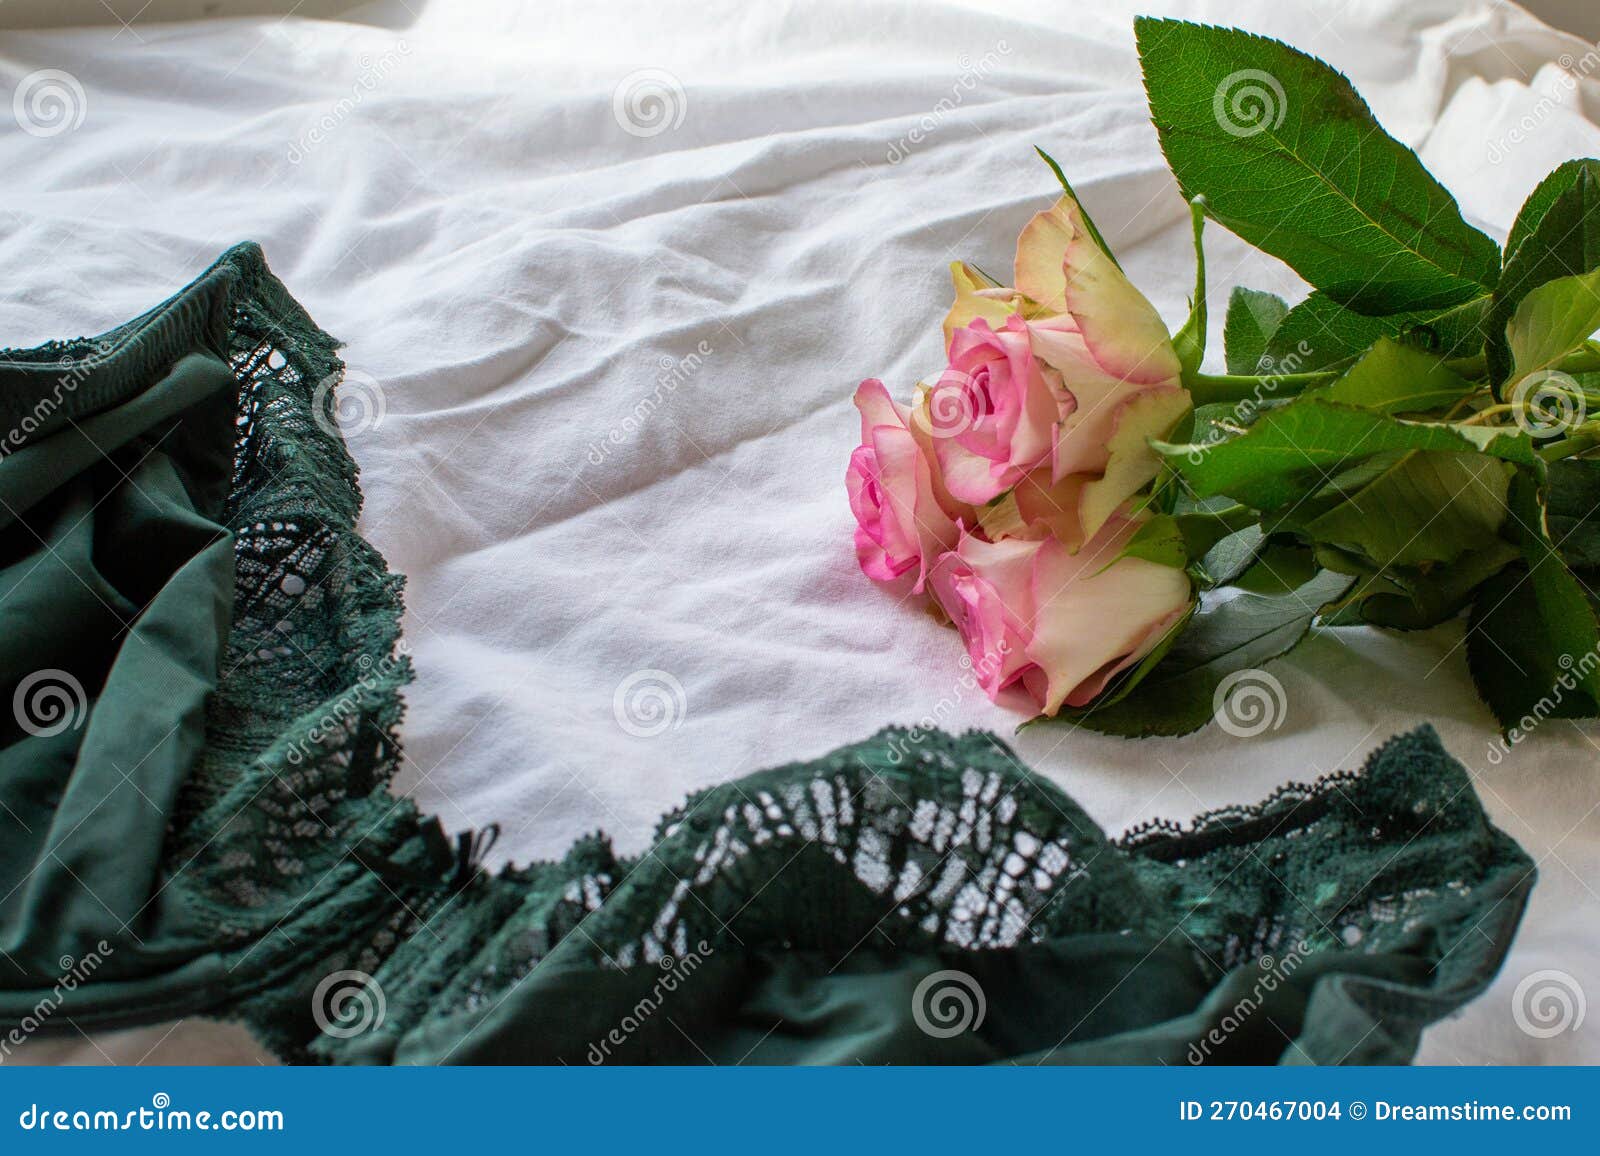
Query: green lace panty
(203, 662)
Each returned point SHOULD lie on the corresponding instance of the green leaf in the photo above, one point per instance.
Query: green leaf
(1557, 234)
(1158, 540)
(1553, 320)
(1253, 317)
(1222, 538)
(1226, 561)
(1319, 333)
(1394, 378)
(1290, 452)
(1413, 598)
(1088, 221)
(1424, 508)
(1233, 630)
(1279, 567)
(1533, 645)
(1572, 512)
(1539, 201)
(1289, 157)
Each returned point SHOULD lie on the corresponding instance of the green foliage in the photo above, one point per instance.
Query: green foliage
(1553, 320)
(1557, 234)
(1319, 333)
(1395, 379)
(1232, 631)
(1374, 456)
(1253, 317)
(1290, 452)
(1534, 645)
(1288, 156)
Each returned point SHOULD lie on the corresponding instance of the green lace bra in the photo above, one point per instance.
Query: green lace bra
(203, 660)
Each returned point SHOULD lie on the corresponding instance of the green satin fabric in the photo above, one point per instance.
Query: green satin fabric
(207, 818)
(116, 594)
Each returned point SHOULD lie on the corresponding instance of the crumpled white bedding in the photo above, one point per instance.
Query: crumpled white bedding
(615, 367)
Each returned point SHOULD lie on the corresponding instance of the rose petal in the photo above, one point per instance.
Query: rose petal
(1130, 462)
(877, 407)
(1091, 616)
(1062, 267)
(977, 296)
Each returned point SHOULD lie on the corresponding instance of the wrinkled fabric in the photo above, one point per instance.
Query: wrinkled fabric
(559, 456)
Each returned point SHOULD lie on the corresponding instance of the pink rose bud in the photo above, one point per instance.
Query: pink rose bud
(900, 523)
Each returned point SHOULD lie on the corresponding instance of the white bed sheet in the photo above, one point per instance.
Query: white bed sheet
(457, 199)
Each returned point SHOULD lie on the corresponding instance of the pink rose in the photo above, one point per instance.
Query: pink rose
(1053, 625)
(975, 584)
(1120, 374)
(894, 492)
(994, 410)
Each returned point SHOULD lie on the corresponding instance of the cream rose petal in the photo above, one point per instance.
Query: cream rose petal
(1060, 266)
(1089, 616)
(977, 296)
(1130, 462)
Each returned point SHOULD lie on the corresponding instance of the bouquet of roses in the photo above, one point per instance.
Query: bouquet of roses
(1120, 538)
